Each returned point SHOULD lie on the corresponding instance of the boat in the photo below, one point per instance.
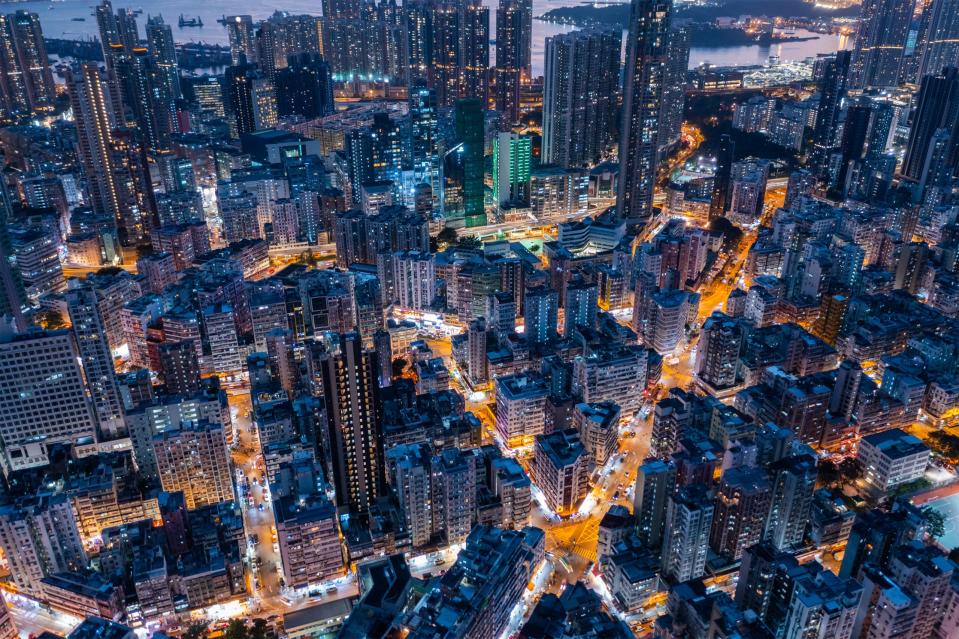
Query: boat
(190, 22)
(79, 19)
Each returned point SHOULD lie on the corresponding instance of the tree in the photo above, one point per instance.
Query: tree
(944, 444)
(50, 320)
(259, 629)
(732, 235)
(196, 630)
(308, 258)
(935, 522)
(447, 236)
(828, 473)
(399, 366)
(469, 242)
(236, 630)
(849, 470)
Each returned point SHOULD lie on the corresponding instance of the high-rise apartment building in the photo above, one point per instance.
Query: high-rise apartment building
(476, 596)
(347, 375)
(832, 91)
(520, 402)
(43, 397)
(674, 90)
(937, 107)
(689, 517)
(880, 43)
(239, 30)
(39, 537)
(512, 53)
(742, 504)
(655, 482)
(718, 351)
(647, 56)
(579, 96)
(793, 484)
(112, 160)
(96, 359)
(162, 49)
(196, 461)
(26, 78)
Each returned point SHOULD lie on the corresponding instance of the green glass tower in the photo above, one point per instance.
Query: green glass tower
(512, 162)
(469, 131)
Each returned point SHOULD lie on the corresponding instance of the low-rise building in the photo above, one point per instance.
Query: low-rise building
(891, 458)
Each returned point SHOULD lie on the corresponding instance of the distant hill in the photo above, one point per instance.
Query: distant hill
(618, 14)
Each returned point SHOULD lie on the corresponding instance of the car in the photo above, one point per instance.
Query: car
(260, 506)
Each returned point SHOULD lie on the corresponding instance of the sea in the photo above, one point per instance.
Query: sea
(60, 20)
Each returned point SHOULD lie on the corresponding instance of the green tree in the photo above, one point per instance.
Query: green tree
(469, 242)
(935, 522)
(849, 470)
(308, 258)
(236, 630)
(447, 236)
(49, 319)
(196, 630)
(399, 365)
(945, 444)
(828, 473)
(259, 630)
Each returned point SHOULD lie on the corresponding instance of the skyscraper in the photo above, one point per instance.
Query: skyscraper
(146, 90)
(512, 160)
(719, 202)
(579, 96)
(96, 359)
(647, 54)
(12, 293)
(111, 158)
(26, 80)
(424, 136)
(444, 47)
(674, 90)
(118, 32)
(937, 107)
(160, 43)
(459, 52)
(305, 87)
(238, 83)
(474, 52)
(348, 378)
(510, 18)
(464, 164)
(942, 37)
(832, 90)
(239, 30)
(880, 43)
